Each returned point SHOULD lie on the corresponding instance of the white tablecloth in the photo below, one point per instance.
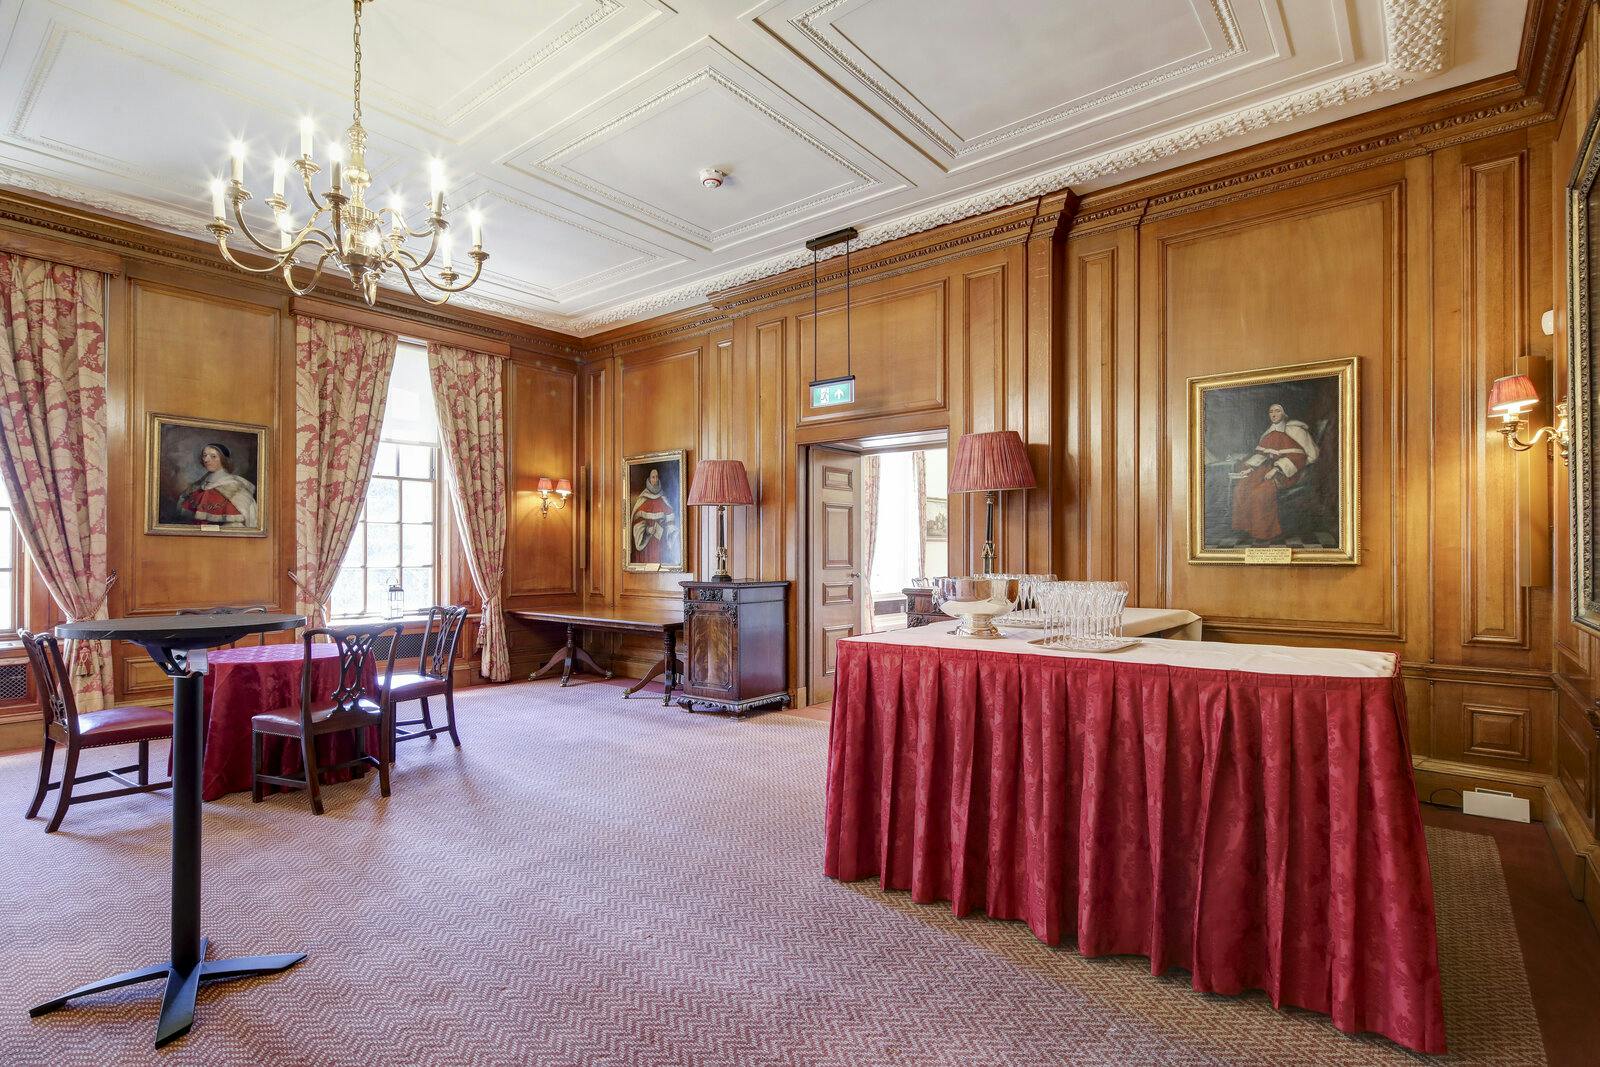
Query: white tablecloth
(1207, 655)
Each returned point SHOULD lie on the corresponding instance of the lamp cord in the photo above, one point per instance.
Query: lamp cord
(813, 314)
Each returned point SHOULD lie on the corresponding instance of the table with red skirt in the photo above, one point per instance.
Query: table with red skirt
(241, 683)
(1245, 812)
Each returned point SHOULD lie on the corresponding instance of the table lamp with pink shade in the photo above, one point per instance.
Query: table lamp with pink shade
(720, 483)
(987, 463)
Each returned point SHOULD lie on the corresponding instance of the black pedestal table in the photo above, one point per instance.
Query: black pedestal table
(178, 644)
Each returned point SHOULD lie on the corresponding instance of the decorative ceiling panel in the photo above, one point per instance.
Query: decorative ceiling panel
(580, 126)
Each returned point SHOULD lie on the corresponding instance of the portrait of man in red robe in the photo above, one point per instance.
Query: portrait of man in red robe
(653, 528)
(1279, 462)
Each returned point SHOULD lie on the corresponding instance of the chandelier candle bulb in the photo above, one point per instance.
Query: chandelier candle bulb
(216, 199)
(280, 169)
(444, 250)
(307, 130)
(477, 229)
(236, 150)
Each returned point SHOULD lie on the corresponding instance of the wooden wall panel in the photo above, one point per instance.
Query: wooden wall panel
(542, 431)
(1288, 278)
(194, 354)
(897, 350)
(658, 408)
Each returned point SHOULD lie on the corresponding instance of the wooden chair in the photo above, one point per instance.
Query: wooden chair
(347, 708)
(65, 725)
(435, 677)
(253, 609)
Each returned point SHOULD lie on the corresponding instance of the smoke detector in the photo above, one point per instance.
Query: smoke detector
(711, 177)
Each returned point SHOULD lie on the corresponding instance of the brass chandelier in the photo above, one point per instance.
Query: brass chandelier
(364, 243)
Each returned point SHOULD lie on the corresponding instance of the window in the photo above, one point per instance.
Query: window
(396, 536)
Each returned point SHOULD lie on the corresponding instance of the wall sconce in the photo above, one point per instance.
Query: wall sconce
(561, 489)
(1513, 396)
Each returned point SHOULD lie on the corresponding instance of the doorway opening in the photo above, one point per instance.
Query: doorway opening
(878, 523)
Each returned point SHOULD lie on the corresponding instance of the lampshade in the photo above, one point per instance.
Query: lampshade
(563, 486)
(545, 485)
(1512, 395)
(720, 481)
(985, 461)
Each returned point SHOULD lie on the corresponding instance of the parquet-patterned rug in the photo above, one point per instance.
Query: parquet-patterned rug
(593, 881)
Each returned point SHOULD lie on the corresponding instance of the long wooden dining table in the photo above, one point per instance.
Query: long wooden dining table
(1245, 812)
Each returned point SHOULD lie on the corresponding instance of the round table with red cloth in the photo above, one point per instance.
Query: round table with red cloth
(241, 683)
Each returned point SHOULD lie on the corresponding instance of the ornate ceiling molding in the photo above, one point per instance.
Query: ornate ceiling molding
(1416, 47)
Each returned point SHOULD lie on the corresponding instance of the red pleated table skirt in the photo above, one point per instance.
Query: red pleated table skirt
(1260, 830)
(241, 683)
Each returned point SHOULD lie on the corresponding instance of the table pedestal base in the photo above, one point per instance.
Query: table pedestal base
(177, 1003)
(570, 655)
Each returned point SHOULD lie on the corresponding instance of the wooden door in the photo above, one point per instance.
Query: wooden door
(835, 579)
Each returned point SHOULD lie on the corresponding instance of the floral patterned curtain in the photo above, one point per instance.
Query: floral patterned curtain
(341, 386)
(869, 539)
(467, 390)
(53, 441)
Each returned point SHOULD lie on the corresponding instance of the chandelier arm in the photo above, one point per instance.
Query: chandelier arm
(317, 206)
(316, 275)
(409, 258)
(271, 250)
(405, 276)
(227, 254)
(477, 269)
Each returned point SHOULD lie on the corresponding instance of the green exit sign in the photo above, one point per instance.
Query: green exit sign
(833, 392)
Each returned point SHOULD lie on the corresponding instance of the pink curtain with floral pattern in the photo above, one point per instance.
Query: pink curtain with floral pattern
(341, 386)
(53, 441)
(467, 390)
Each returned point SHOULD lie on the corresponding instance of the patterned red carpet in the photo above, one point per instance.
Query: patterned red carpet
(604, 882)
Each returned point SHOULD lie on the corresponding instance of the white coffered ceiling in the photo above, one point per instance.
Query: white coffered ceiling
(579, 126)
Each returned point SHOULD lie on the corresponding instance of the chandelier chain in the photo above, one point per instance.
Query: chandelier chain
(356, 111)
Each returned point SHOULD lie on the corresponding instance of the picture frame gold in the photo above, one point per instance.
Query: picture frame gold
(175, 475)
(1244, 505)
(1583, 378)
(668, 541)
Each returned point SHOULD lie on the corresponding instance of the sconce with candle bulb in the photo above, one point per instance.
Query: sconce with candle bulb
(1513, 396)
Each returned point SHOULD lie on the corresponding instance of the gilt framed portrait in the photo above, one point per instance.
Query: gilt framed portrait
(1274, 474)
(1583, 376)
(205, 477)
(653, 520)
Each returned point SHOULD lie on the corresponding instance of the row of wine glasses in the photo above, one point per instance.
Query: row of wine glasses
(1082, 616)
(1028, 612)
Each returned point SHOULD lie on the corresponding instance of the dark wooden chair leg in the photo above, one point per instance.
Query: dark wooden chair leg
(144, 763)
(450, 714)
(45, 755)
(308, 755)
(427, 718)
(383, 765)
(68, 773)
(360, 769)
(257, 745)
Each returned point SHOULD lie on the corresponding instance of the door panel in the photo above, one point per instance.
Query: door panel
(834, 585)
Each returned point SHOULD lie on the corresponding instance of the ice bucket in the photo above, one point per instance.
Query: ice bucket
(976, 601)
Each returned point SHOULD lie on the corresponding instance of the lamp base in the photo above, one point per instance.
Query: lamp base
(720, 576)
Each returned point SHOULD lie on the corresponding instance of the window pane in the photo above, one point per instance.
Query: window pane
(416, 461)
(7, 541)
(355, 556)
(378, 581)
(347, 589)
(386, 462)
(8, 620)
(418, 547)
(419, 588)
(417, 501)
(383, 500)
(383, 544)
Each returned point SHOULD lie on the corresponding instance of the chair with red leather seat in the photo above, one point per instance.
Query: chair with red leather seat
(65, 725)
(434, 677)
(348, 707)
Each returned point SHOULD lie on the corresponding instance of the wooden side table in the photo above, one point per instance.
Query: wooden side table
(919, 607)
(737, 635)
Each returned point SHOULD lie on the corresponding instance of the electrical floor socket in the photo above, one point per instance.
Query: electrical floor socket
(1495, 804)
